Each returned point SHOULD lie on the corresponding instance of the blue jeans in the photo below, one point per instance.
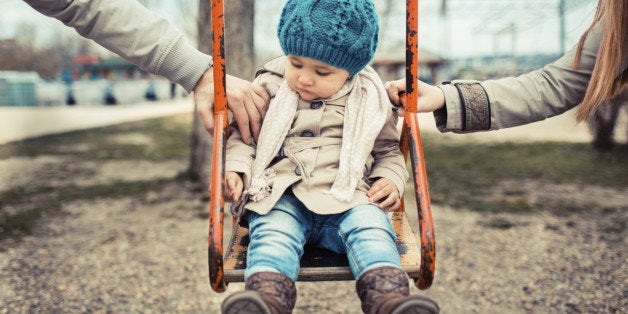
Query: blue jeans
(364, 233)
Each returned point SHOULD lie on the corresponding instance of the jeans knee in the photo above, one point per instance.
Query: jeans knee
(277, 239)
(367, 219)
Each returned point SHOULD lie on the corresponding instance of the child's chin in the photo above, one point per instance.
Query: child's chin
(307, 98)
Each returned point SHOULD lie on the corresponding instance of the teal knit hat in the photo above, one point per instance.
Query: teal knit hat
(342, 33)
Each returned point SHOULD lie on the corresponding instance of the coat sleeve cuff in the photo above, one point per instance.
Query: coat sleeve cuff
(448, 117)
(467, 108)
(238, 166)
(185, 65)
(477, 112)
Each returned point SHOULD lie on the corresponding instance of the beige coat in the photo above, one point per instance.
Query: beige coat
(312, 150)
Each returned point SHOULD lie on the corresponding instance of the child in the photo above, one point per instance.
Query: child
(327, 164)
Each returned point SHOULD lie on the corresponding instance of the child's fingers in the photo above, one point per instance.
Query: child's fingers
(377, 196)
(226, 193)
(380, 191)
(390, 202)
(375, 192)
(231, 187)
(395, 206)
(386, 203)
(237, 190)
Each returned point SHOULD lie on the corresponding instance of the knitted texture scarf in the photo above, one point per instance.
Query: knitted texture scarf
(366, 111)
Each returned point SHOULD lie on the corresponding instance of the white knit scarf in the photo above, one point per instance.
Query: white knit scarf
(366, 110)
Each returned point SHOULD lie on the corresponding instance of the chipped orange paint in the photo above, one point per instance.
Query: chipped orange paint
(412, 54)
(415, 147)
(216, 201)
(218, 50)
(426, 226)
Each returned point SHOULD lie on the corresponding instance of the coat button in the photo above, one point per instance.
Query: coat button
(307, 134)
(297, 170)
(316, 104)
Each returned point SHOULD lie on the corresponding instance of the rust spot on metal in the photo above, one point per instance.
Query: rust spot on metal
(216, 202)
(412, 55)
(415, 149)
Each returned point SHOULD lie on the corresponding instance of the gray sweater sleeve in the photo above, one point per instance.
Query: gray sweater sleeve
(534, 96)
(133, 32)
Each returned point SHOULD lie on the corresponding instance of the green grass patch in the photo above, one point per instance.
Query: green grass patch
(464, 175)
(34, 203)
(485, 164)
(157, 139)
(167, 138)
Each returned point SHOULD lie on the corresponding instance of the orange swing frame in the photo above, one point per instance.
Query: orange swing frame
(418, 259)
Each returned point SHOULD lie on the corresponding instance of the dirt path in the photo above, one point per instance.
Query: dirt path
(18, 123)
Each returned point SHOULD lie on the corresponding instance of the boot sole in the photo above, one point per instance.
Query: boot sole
(245, 302)
(417, 305)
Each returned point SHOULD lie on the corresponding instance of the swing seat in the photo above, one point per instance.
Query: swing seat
(324, 265)
(417, 251)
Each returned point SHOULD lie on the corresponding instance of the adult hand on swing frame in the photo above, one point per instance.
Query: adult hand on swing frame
(247, 101)
(431, 98)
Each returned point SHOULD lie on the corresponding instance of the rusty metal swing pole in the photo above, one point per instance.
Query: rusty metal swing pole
(216, 202)
(415, 148)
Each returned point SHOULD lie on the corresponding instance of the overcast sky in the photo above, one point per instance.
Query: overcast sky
(484, 31)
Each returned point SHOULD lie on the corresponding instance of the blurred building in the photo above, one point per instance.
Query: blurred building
(393, 66)
(93, 67)
(18, 88)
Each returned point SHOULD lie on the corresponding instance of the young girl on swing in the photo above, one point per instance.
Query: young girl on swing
(327, 164)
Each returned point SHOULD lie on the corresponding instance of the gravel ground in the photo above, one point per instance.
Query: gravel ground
(147, 255)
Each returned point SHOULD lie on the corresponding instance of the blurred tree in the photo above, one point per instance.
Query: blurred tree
(604, 121)
(182, 13)
(26, 52)
(17, 53)
(386, 16)
(240, 56)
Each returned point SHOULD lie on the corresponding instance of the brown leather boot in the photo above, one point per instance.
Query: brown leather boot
(265, 292)
(385, 290)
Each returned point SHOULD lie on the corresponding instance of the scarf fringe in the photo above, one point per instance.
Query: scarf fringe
(259, 188)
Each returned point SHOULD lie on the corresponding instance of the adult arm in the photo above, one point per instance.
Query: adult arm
(507, 102)
(135, 33)
(468, 106)
(156, 46)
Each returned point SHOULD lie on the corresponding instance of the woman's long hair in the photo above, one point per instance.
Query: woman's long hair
(605, 82)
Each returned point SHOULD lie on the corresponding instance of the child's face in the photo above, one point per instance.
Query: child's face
(313, 79)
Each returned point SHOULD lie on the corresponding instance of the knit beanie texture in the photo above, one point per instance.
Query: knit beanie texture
(342, 33)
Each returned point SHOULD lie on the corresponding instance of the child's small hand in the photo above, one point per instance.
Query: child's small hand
(233, 186)
(385, 192)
